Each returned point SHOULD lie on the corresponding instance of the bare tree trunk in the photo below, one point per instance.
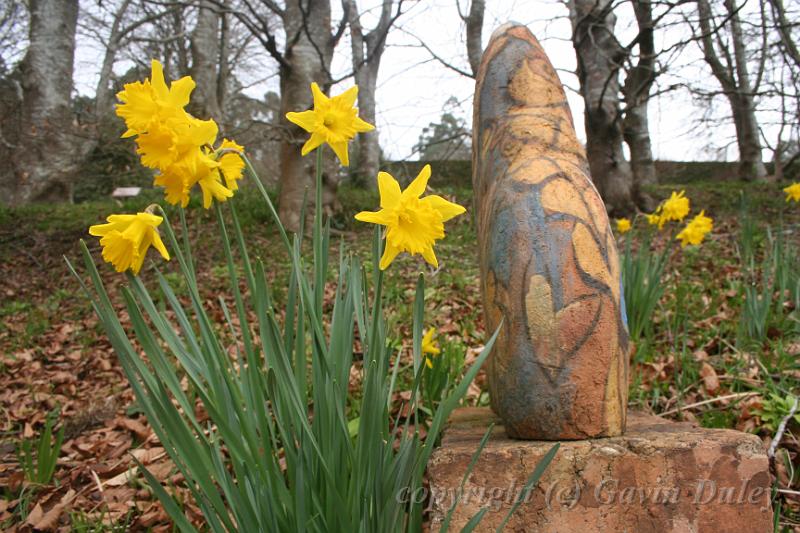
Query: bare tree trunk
(104, 92)
(224, 66)
(785, 31)
(735, 82)
(308, 55)
(367, 51)
(637, 137)
(599, 56)
(181, 53)
(369, 144)
(205, 45)
(45, 160)
(474, 22)
(636, 91)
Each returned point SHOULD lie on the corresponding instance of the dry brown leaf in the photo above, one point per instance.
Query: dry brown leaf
(148, 455)
(134, 426)
(710, 378)
(48, 521)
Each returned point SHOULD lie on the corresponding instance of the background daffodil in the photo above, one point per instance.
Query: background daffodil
(696, 230)
(676, 207)
(413, 224)
(126, 238)
(793, 192)
(333, 120)
(430, 347)
(623, 225)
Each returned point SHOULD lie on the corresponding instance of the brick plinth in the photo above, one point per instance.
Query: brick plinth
(659, 477)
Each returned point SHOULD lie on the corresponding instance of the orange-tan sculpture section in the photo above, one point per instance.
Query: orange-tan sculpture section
(549, 263)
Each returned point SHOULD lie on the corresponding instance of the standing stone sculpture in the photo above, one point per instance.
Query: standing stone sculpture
(549, 264)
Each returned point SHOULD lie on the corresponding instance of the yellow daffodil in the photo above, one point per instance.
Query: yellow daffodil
(231, 164)
(623, 225)
(676, 207)
(151, 100)
(696, 230)
(126, 239)
(793, 192)
(413, 224)
(333, 121)
(654, 219)
(430, 347)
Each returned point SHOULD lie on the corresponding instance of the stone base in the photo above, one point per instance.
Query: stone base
(659, 477)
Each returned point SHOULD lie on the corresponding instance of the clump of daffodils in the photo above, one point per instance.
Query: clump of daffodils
(675, 209)
(176, 144)
(181, 148)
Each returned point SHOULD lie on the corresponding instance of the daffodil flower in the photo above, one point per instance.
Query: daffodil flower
(144, 102)
(676, 207)
(696, 230)
(793, 192)
(623, 225)
(413, 224)
(126, 238)
(430, 347)
(333, 121)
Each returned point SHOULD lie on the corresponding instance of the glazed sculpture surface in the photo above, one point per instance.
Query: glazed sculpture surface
(550, 271)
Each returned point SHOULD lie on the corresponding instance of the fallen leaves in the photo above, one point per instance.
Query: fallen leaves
(710, 378)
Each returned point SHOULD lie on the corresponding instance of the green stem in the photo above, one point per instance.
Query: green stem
(237, 294)
(187, 247)
(319, 262)
(270, 205)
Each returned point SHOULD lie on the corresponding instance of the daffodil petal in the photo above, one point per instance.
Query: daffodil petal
(180, 91)
(158, 244)
(430, 257)
(348, 98)
(420, 183)
(375, 217)
(320, 100)
(313, 142)
(157, 79)
(361, 126)
(389, 189)
(445, 208)
(340, 149)
(389, 253)
(305, 119)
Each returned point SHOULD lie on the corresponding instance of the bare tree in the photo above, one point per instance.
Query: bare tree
(636, 91)
(474, 22)
(44, 154)
(367, 50)
(734, 77)
(13, 33)
(600, 57)
(206, 61)
(308, 44)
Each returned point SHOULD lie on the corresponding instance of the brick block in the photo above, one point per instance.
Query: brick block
(659, 477)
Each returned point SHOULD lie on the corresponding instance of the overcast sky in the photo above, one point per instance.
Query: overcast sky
(413, 87)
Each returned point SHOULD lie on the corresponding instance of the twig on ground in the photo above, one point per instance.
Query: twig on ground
(737, 396)
(773, 447)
